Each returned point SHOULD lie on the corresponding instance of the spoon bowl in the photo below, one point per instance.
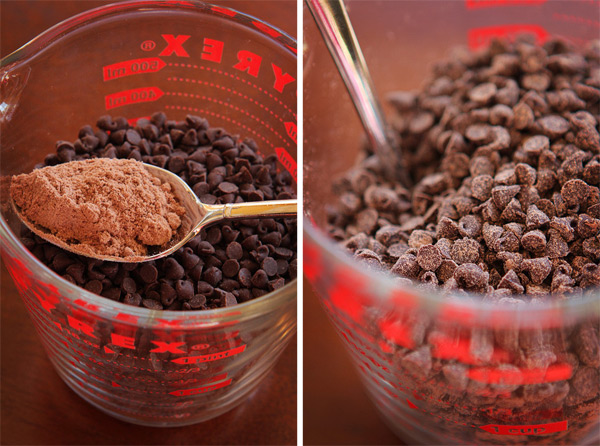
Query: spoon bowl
(197, 216)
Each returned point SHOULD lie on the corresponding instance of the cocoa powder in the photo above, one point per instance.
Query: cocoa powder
(108, 207)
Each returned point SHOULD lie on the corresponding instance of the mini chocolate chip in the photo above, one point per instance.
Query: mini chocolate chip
(465, 250)
(481, 187)
(184, 289)
(148, 273)
(538, 268)
(94, 286)
(212, 275)
(269, 265)
(419, 238)
(429, 257)
(260, 279)
(128, 285)
(483, 93)
(173, 270)
(447, 228)
(554, 126)
(471, 277)
(502, 195)
(536, 218)
(536, 144)
(188, 259)
(234, 251)
(132, 299)
(575, 192)
(406, 266)
(152, 304)
(534, 241)
(230, 268)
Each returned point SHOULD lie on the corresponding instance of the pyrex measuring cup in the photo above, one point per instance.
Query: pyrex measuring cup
(159, 368)
(439, 370)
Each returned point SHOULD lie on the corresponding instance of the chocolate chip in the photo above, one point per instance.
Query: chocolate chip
(465, 250)
(260, 279)
(152, 304)
(173, 270)
(470, 226)
(184, 289)
(269, 265)
(234, 251)
(575, 192)
(419, 238)
(406, 266)
(483, 93)
(534, 241)
(471, 277)
(429, 257)
(536, 218)
(536, 144)
(538, 268)
(554, 126)
(148, 273)
(94, 286)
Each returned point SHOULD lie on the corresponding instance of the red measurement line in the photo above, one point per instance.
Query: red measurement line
(414, 406)
(206, 98)
(237, 78)
(113, 363)
(575, 19)
(229, 90)
(555, 373)
(217, 115)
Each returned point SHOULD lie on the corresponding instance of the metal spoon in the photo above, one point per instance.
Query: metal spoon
(337, 31)
(197, 216)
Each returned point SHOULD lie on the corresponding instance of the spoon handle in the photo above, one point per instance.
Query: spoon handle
(335, 27)
(255, 209)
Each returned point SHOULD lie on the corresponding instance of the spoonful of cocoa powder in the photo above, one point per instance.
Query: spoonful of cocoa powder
(121, 210)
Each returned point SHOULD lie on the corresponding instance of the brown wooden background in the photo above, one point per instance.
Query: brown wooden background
(37, 408)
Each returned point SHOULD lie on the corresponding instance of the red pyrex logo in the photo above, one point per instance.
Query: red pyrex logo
(214, 50)
(174, 45)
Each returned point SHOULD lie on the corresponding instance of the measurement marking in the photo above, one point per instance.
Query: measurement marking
(480, 37)
(198, 390)
(133, 96)
(134, 66)
(206, 98)
(210, 357)
(575, 19)
(555, 373)
(217, 115)
(229, 90)
(476, 4)
(527, 429)
(175, 64)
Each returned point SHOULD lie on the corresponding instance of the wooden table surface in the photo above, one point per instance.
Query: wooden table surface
(37, 408)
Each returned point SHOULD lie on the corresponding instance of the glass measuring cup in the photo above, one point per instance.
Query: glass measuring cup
(387, 329)
(157, 368)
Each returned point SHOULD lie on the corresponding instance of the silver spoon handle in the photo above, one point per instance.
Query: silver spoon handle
(255, 209)
(335, 27)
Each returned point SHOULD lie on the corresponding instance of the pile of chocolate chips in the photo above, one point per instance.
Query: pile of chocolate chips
(504, 150)
(225, 264)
